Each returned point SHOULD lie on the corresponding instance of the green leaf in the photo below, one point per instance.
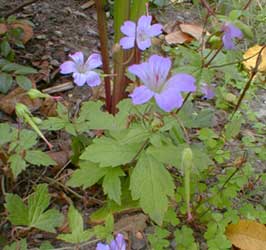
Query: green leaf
(7, 133)
(18, 69)
(6, 81)
(112, 184)
(34, 215)
(157, 240)
(17, 164)
(37, 204)
(191, 119)
(105, 232)
(171, 217)
(24, 82)
(184, 239)
(18, 245)
(25, 70)
(38, 158)
(48, 220)
(111, 206)
(88, 174)
(151, 183)
(232, 128)
(167, 154)
(171, 154)
(78, 234)
(46, 245)
(27, 139)
(17, 210)
(114, 153)
(95, 118)
(5, 48)
(53, 124)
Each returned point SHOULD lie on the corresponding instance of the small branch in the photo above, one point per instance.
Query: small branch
(247, 4)
(213, 57)
(252, 75)
(19, 8)
(207, 6)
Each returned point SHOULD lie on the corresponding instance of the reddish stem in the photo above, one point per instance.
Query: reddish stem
(102, 27)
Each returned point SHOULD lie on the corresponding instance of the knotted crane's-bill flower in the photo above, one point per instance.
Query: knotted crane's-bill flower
(117, 244)
(82, 72)
(140, 33)
(230, 33)
(154, 75)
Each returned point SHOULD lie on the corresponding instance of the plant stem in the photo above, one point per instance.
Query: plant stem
(252, 75)
(212, 58)
(102, 27)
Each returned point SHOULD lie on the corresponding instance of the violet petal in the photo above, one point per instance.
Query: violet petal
(144, 44)
(127, 42)
(128, 28)
(169, 100)
(93, 79)
(141, 95)
(79, 78)
(94, 61)
(141, 71)
(77, 57)
(67, 67)
(182, 82)
(101, 246)
(155, 30)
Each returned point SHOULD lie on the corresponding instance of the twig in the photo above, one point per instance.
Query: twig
(20, 7)
(252, 75)
(207, 6)
(247, 4)
(214, 55)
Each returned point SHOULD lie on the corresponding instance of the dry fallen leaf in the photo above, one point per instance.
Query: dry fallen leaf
(193, 30)
(132, 223)
(178, 37)
(252, 53)
(60, 157)
(27, 30)
(247, 235)
(3, 28)
(8, 102)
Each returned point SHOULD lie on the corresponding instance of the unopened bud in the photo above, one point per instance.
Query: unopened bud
(35, 93)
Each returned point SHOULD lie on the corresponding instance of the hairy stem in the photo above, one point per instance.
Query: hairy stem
(102, 27)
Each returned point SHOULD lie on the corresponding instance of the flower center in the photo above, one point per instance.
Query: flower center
(82, 68)
(142, 35)
(157, 84)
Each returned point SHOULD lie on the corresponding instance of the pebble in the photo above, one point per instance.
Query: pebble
(55, 63)
(59, 33)
(41, 37)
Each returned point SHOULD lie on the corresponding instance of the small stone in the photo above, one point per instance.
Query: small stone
(41, 37)
(58, 33)
(55, 63)
(66, 49)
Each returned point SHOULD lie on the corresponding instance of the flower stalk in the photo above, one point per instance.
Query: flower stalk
(102, 27)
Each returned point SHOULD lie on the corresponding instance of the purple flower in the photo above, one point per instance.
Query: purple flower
(207, 91)
(117, 244)
(154, 75)
(142, 34)
(230, 32)
(82, 72)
